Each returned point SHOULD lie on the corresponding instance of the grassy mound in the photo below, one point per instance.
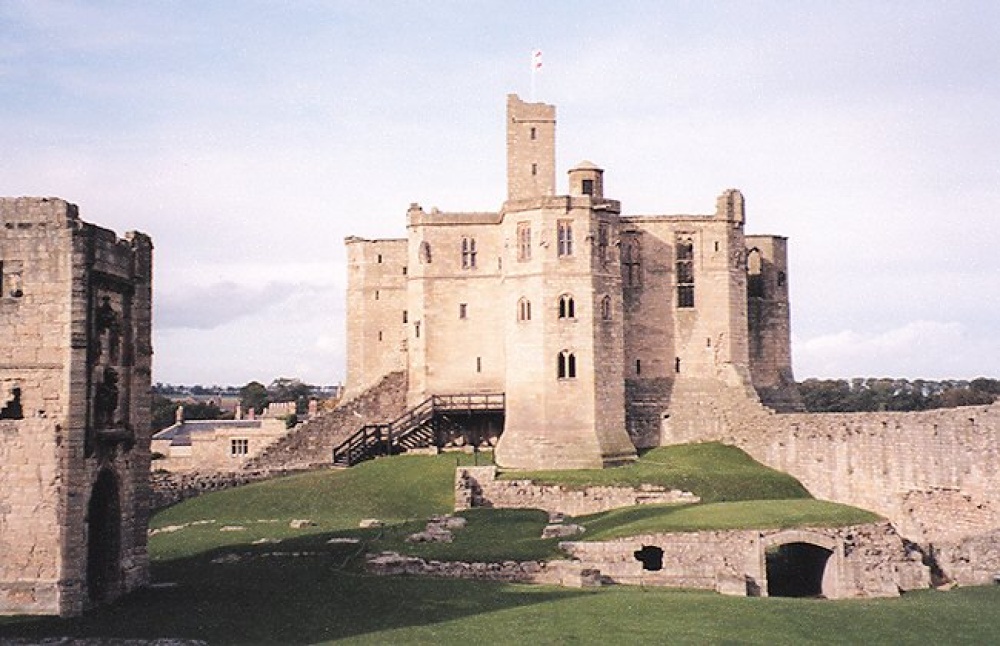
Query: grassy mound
(307, 588)
(715, 472)
(746, 514)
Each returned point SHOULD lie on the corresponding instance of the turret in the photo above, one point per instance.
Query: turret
(586, 179)
(531, 149)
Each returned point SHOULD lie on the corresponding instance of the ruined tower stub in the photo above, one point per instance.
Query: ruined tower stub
(531, 149)
(75, 355)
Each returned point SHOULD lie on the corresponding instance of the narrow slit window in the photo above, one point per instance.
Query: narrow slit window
(463, 310)
(631, 268)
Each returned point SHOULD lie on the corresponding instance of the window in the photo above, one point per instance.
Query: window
(603, 233)
(638, 366)
(376, 294)
(416, 329)
(425, 253)
(755, 274)
(567, 308)
(468, 253)
(631, 262)
(380, 259)
(404, 270)
(534, 169)
(534, 134)
(380, 335)
(588, 187)
(523, 241)
(239, 446)
(566, 365)
(606, 308)
(463, 310)
(685, 272)
(479, 364)
(524, 310)
(405, 316)
(565, 237)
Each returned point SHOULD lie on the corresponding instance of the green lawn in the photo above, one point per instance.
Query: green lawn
(224, 588)
(715, 472)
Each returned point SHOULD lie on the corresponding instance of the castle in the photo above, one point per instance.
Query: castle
(75, 354)
(587, 320)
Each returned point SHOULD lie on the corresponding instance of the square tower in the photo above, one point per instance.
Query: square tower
(75, 356)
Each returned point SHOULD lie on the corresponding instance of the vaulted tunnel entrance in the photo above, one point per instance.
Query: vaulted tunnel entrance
(796, 570)
(104, 539)
(651, 557)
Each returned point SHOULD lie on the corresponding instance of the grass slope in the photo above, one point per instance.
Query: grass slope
(715, 472)
(306, 589)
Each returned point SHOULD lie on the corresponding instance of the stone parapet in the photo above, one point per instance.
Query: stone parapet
(479, 487)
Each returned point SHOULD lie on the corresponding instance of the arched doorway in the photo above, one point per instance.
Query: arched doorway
(104, 539)
(796, 569)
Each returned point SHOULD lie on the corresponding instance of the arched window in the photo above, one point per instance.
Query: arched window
(524, 310)
(566, 365)
(567, 308)
(755, 274)
(606, 308)
(631, 268)
(425, 252)
(468, 253)
(685, 272)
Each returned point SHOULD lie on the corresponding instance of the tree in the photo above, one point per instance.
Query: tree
(284, 389)
(254, 396)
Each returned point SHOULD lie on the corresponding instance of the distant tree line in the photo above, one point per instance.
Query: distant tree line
(253, 396)
(882, 394)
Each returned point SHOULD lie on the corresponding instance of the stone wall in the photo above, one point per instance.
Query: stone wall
(75, 357)
(934, 474)
(560, 572)
(169, 488)
(864, 561)
(479, 487)
(310, 445)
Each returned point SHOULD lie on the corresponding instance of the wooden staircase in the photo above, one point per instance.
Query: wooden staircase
(431, 423)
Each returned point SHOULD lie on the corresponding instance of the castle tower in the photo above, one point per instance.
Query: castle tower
(75, 355)
(564, 348)
(531, 149)
(768, 323)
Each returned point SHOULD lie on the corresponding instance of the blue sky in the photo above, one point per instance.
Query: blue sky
(249, 138)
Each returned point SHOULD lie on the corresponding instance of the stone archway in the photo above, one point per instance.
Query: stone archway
(104, 539)
(796, 570)
(798, 563)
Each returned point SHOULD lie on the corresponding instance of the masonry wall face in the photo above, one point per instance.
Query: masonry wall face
(74, 409)
(585, 318)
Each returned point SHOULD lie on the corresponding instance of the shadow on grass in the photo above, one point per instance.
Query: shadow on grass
(299, 591)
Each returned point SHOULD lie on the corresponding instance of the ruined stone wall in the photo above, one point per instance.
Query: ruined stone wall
(480, 487)
(74, 383)
(864, 560)
(934, 474)
(310, 445)
(769, 323)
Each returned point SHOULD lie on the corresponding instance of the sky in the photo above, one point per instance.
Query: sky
(249, 138)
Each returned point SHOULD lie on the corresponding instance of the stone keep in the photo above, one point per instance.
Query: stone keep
(75, 355)
(587, 319)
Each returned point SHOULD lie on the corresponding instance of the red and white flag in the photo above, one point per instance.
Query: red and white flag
(536, 60)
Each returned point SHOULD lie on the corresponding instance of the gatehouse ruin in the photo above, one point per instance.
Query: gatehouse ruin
(75, 353)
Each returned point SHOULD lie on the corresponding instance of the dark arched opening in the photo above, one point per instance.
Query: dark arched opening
(104, 539)
(796, 570)
(651, 557)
